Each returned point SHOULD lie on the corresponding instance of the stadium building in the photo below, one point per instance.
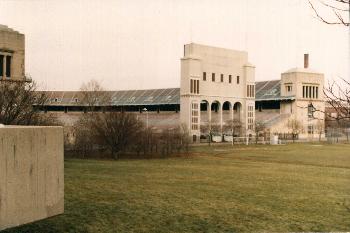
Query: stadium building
(217, 87)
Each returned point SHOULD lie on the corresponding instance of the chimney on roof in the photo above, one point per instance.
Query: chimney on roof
(306, 60)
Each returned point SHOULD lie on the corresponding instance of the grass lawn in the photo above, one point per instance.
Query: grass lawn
(301, 187)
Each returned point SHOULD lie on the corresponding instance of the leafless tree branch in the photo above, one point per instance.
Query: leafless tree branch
(338, 11)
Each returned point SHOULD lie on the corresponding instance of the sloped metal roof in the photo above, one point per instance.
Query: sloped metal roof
(265, 91)
(119, 98)
(269, 90)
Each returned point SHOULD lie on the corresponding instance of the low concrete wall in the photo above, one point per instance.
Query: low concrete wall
(31, 174)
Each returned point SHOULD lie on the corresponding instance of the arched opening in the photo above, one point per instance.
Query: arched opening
(237, 111)
(215, 117)
(226, 120)
(204, 120)
(215, 106)
(204, 106)
(226, 112)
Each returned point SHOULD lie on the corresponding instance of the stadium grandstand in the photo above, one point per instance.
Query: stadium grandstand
(212, 91)
(162, 105)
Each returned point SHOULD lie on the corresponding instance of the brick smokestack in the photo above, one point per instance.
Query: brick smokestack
(306, 60)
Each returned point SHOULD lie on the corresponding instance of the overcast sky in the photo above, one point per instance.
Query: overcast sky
(137, 44)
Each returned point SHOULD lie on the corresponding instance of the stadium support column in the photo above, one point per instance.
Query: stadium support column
(232, 112)
(209, 113)
(220, 115)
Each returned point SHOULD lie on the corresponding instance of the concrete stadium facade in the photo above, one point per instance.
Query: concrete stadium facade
(217, 86)
(222, 80)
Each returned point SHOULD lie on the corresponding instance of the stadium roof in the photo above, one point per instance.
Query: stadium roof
(265, 91)
(269, 90)
(119, 98)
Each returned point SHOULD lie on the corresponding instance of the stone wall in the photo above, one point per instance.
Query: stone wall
(31, 174)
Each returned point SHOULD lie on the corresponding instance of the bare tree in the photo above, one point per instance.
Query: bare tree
(20, 104)
(319, 128)
(118, 131)
(84, 136)
(234, 127)
(94, 96)
(184, 137)
(295, 126)
(338, 99)
(209, 129)
(339, 9)
(345, 125)
(259, 127)
(337, 94)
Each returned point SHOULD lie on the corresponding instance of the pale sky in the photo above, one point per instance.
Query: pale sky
(137, 44)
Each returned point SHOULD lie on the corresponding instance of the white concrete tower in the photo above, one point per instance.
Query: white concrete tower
(217, 86)
(308, 107)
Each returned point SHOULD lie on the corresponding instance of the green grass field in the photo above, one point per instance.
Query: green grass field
(301, 187)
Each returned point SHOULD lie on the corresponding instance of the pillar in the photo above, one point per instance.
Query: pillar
(209, 112)
(220, 116)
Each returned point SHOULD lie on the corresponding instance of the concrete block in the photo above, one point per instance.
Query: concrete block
(31, 174)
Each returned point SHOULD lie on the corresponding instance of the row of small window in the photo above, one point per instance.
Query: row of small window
(251, 91)
(310, 92)
(7, 68)
(194, 86)
(59, 100)
(221, 78)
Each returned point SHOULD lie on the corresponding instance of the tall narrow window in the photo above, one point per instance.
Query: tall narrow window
(213, 77)
(8, 66)
(310, 111)
(1, 65)
(306, 92)
(309, 91)
(222, 78)
(303, 91)
(197, 86)
(191, 86)
(316, 92)
(237, 79)
(230, 78)
(313, 92)
(194, 86)
(204, 76)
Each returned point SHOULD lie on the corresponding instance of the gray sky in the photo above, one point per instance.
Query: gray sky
(137, 44)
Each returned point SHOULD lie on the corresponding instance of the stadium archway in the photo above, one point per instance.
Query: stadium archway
(226, 112)
(216, 117)
(204, 112)
(237, 111)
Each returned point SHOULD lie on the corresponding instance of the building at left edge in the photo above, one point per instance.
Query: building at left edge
(12, 54)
